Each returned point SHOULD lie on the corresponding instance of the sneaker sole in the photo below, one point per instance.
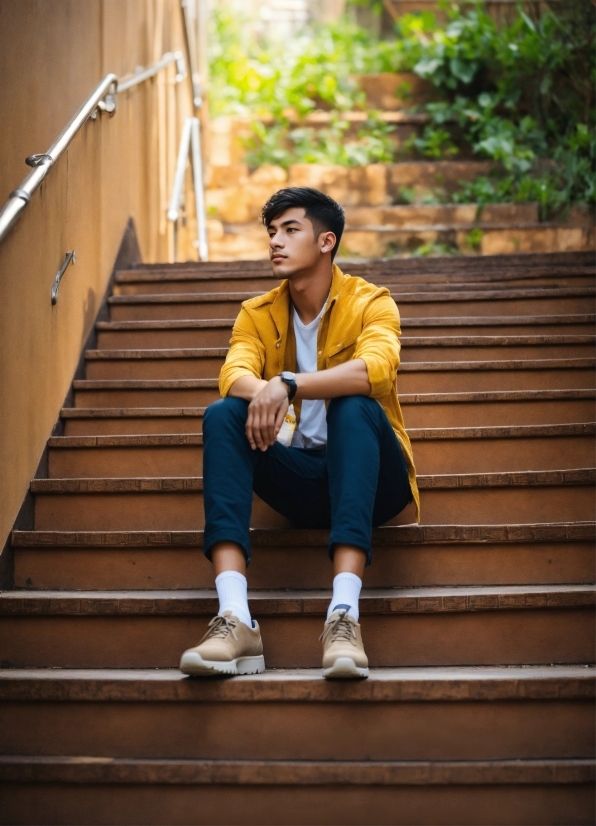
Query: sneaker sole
(344, 668)
(194, 665)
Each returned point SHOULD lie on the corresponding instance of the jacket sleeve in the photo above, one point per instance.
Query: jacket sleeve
(378, 344)
(246, 356)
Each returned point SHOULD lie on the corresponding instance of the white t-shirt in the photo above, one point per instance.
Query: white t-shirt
(312, 428)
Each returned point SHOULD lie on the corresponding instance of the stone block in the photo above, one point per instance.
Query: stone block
(350, 186)
(224, 176)
(365, 216)
(271, 176)
(228, 204)
(215, 230)
(391, 91)
(509, 213)
(433, 176)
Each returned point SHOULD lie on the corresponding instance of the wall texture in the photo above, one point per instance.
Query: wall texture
(52, 54)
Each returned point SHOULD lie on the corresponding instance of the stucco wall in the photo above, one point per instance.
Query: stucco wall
(52, 54)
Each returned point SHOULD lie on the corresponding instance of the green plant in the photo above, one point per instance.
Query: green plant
(431, 249)
(474, 238)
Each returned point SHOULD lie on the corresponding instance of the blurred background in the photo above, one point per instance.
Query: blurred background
(488, 104)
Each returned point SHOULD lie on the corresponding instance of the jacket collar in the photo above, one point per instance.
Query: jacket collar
(280, 308)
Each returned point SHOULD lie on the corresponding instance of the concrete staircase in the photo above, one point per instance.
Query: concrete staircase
(479, 709)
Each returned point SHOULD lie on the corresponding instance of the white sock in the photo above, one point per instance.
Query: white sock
(232, 591)
(346, 592)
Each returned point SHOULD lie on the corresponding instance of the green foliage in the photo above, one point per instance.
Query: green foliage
(283, 145)
(520, 95)
(517, 95)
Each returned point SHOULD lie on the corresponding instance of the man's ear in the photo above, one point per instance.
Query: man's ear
(328, 241)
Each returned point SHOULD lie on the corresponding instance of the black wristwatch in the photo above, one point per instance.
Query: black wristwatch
(289, 379)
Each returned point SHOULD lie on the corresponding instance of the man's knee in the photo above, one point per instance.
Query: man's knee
(350, 409)
(228, 412)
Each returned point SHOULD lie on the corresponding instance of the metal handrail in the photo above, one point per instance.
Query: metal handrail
(102, 98)
(20, 197)
(190, 142)
(144, 74)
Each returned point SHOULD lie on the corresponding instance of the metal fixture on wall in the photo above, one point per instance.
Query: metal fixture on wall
(69, 258)
(103, 100)
(190, 143)
(20, 197)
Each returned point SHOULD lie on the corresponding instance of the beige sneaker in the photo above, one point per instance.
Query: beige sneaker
(228, 647)
(343, 652)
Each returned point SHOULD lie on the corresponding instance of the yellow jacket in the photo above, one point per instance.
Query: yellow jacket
(361, 322)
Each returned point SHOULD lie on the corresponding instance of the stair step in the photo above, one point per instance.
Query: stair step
(420, 410)
(198, 362)
(447, 625)
(74, 789)
(414, 377)
(408, 555)
(484, 302)
(554, 262)
(437, 450)
(217, 332)
(135, 282)
(170, 503)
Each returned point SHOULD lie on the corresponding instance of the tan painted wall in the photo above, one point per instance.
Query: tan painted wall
(52, 54)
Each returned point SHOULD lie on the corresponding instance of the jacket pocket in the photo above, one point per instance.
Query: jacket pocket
(340, 353)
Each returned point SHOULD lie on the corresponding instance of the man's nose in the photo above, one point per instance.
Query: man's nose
(275, 240)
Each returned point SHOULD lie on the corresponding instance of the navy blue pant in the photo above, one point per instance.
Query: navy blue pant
(358, 481)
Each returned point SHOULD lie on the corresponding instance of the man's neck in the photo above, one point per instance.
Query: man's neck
(309, 292)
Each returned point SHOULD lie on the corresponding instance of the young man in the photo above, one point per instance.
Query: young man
(328, 344)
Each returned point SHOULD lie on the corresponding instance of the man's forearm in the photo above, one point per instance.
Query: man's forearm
(247, 387)
(348, 379)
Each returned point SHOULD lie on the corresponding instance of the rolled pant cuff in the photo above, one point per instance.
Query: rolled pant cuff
(226, 536)
(349, 540)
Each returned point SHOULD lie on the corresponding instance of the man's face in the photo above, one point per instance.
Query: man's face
(294, 245)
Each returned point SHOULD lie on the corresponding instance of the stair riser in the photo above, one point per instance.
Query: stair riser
(397, 283)
(415, 415)
(486, 414)
(346, 730)
(229, 309)
(432, 456)
(184, 511)
(131, 425)
(306, 567)
(220, 337)
(294, 805)
(444, 381)
(207, 367)
(537, 635)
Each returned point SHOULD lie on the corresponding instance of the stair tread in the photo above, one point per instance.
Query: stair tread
(403, 684)
(431, 321)
(417, 434)
(404, 367)
(109, 354)
(149, 484)
(405, 297)
(84, 769)
(389, 535)
(376, 601)
(148, 276)
(405, 398)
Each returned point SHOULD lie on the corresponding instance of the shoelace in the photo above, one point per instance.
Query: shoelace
(220, 627)
(339, 628)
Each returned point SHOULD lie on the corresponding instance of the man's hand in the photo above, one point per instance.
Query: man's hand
(266, 413)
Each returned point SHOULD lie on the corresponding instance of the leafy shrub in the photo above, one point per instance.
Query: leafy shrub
(521, 95)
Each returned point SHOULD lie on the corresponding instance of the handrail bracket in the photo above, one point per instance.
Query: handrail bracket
(69, 258)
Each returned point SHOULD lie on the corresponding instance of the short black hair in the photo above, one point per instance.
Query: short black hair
(325, 214)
